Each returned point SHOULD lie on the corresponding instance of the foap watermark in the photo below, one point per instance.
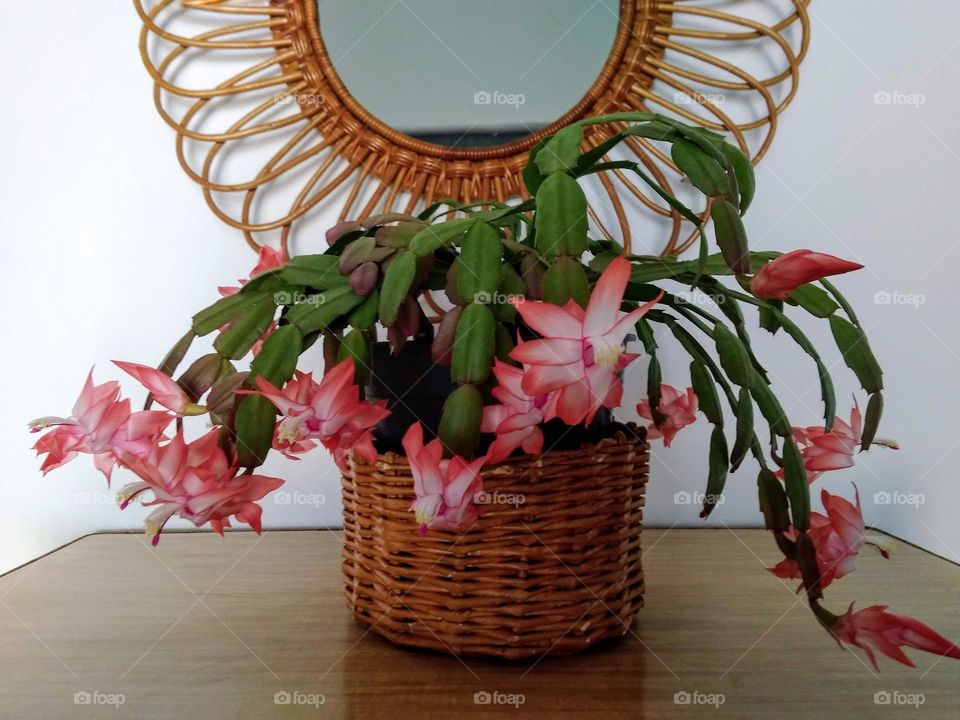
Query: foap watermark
(296, 697)
(696, 498)
(85, 497)
(499, 698)
(84, 697)
(485, 97)
(497, 298)
(298, 298)
(284, 497)
(896, 697)
(693, 298)
(895, 97)
(682, 98)
(496, 497)
(301, 98)
(886, 297)
(883, 497)
(695, 697)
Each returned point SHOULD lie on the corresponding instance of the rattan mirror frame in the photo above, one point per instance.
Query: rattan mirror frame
(366, 167)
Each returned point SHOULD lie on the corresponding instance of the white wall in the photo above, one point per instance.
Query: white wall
(109, 248)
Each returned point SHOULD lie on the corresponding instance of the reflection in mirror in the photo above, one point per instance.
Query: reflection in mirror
(468, 74)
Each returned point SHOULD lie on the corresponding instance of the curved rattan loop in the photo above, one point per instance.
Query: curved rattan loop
(335, 152)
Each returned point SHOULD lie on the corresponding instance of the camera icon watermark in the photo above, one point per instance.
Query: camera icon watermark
(695, 697)
(484, 697)
(884, 497)
(499, 498)
(885, 297)
(497, 298)
(284, 497)
(485, 97)
(895, 97)
(697, 498)
(898, 698)
(84, 697)
(295, 697)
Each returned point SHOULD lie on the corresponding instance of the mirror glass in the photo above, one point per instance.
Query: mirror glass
(468, 74)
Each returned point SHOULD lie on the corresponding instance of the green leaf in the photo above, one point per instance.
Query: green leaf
(460, 421)
(814, 300)
(653, 130)
(172, 360)
(744, 429)
(316, 271)
(225, 310)
(254, 426)
(511, 285)
(561, 219)
(473, 345)
(566, 280)
(278, 357)
(769, 315)
(434, 237)
(706, 392)
(532, 177)
(771, 409)
(355, 345)
(857, 353)
(318, 312)
(743, 169)
(731, 235)
(203, 374)
(397, 282)
(702, 170)
(364, 316)
(872, 420)
(479, 267)
(561, 152)
(719, 468)
(773, 502)
(734, 357)
(795, 482)
(244, 331)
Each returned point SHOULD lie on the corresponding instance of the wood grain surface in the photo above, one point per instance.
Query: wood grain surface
(206, 627)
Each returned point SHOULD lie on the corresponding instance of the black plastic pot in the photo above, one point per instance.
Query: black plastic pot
(415, 389)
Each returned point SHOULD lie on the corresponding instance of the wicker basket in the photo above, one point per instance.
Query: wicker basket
(552, 565)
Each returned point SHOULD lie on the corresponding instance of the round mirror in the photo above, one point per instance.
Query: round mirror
(468, 75)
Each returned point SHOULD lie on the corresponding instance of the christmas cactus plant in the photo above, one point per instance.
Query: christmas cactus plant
(540, 323)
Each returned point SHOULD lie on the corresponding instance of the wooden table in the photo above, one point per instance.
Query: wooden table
(208, 628)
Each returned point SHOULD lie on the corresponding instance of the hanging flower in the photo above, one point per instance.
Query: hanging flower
(516, 421)
(581, 353)
(780, 277)
(823, 450)
(101, 425)
(162, 387)
(837, 537)
(268, 259)
(445, 488)
(197, 482)
(875, 628)
(329, 411)
(678, 410)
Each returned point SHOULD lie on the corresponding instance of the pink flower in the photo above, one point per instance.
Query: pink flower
(101, 425)
(329, 411)
(162, 387)
(516, 421)
(823, 451)
(837, 537)
(445, 489)
(781, 276)
(197, 482)
(581, 353)
(679, 410)
(887, 633)
(269, 259)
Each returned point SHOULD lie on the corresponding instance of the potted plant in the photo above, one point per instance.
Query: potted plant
(492, 503)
